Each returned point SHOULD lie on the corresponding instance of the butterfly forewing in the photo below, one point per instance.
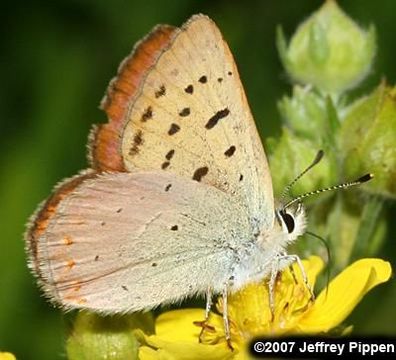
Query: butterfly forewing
(191, 118)
(104, 140)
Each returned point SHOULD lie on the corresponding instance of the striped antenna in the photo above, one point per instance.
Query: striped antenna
(359, 181)
(287, 189)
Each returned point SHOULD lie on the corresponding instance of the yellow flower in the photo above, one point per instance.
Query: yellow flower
(6, 356)
(176, 336)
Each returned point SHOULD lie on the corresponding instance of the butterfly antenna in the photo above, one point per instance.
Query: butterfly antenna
(326, 245)
(359, 181)
(287, 189)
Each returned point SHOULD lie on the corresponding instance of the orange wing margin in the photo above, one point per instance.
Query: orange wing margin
(104, 140)
(40, 219)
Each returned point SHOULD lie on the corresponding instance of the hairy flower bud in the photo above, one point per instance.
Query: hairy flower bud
(328, 50)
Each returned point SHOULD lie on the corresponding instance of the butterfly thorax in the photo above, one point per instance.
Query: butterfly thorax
(255, 264)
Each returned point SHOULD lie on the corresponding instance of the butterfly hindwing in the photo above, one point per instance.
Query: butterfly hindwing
(38, 222)
(130, 241)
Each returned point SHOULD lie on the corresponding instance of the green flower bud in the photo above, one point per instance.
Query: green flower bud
(328, 50)
(368, 137)
(106, 337)
(290, 156)
(304, 113)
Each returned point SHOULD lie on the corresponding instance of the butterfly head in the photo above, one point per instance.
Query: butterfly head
(291, 216)
(291, 220)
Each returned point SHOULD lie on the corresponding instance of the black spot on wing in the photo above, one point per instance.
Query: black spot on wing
(174, 228)
(240, 177)
(137, 141)
(229, 73)
(220, 79)
(203, 79)
(230, 151)
(170, 154)
(189, 89)
(185, 112)
(148, 114)
(200, 173)
(165, 165)
(160, 92)
(167, 187)
(212, 122)
(174, 128)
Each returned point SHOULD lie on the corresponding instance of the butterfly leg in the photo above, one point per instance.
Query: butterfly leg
(204, 324)
(271, 287)
(293, 274)
(208, 302)
(225, 316)
(296, 259)
(291, 269)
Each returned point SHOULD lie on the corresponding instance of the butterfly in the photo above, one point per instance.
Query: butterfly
(178, 199)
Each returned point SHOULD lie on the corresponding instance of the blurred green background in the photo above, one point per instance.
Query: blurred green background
(56, 60)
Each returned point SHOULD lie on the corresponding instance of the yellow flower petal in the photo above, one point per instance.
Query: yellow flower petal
(147, 353)
(7, 356)
(177, 338)
(178, 325)
(344, 292)
(183, 351)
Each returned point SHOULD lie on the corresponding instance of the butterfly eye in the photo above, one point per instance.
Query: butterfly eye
(288, 220)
